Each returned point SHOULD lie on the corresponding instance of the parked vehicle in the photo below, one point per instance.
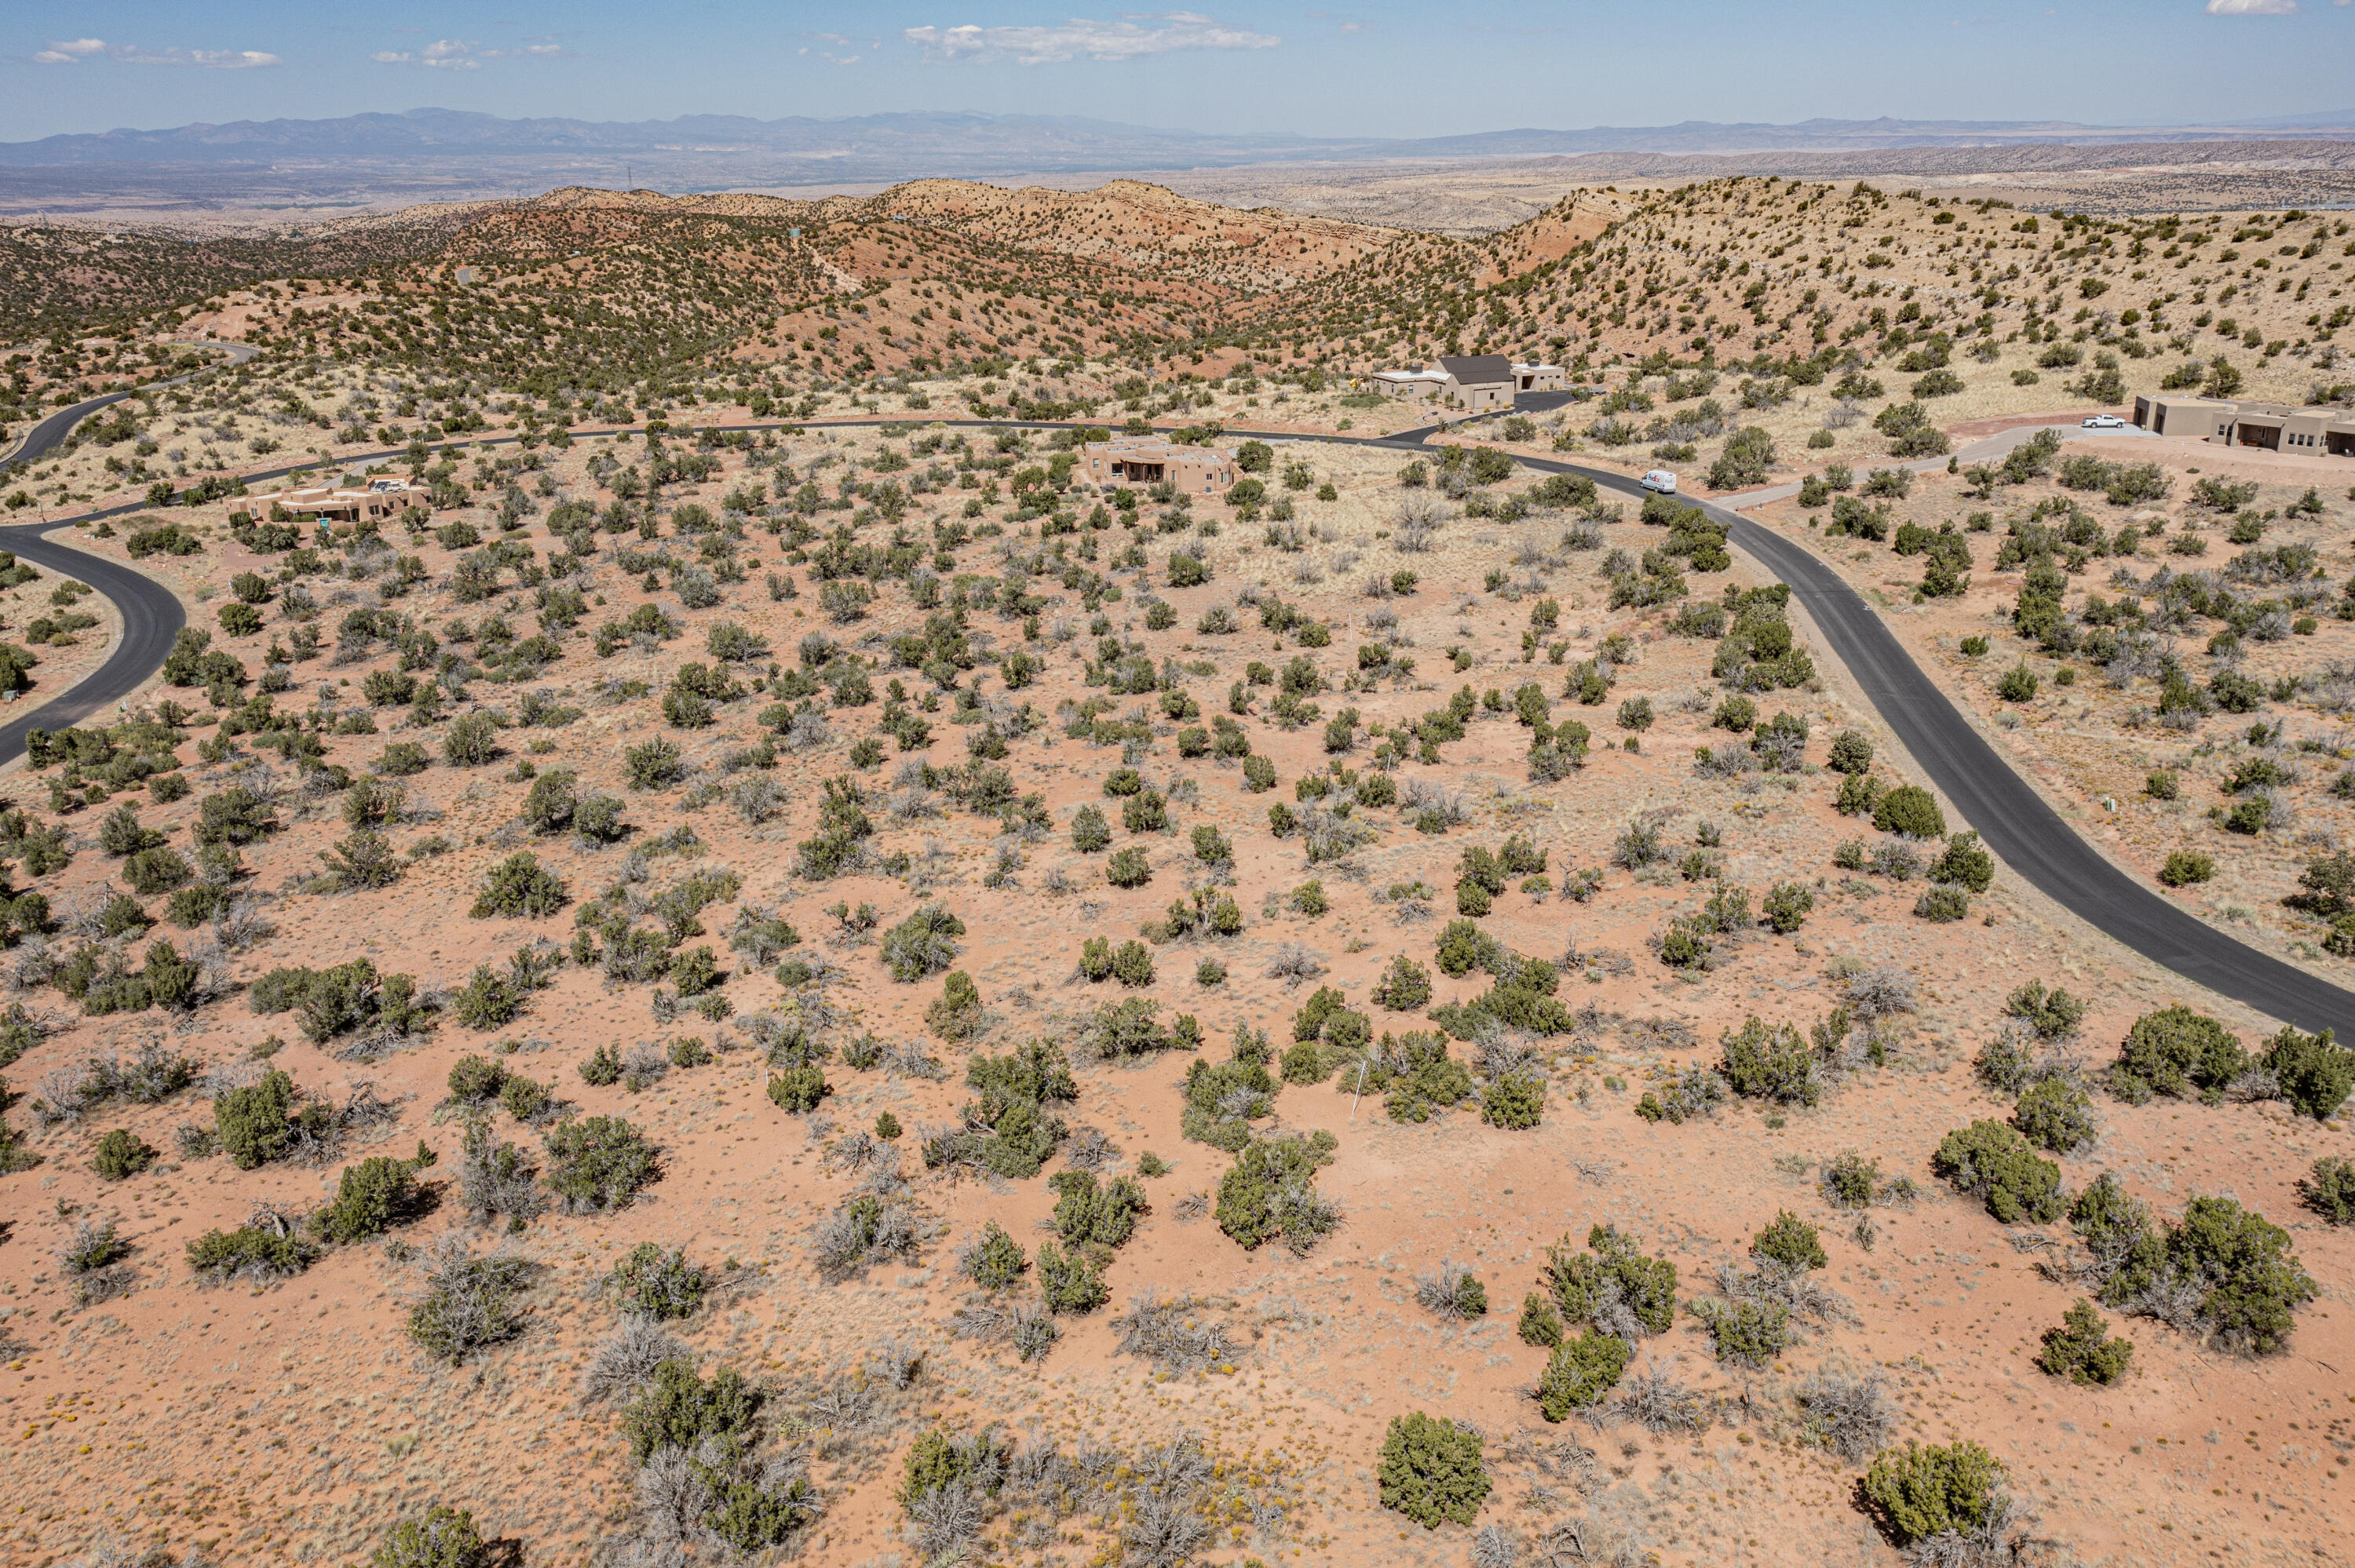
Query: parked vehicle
(2106, 422)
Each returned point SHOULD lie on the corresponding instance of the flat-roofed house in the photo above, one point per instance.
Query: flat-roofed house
(2200, 418)
(2325, 430)
(1127, 463)
(1540, 377)
(378, 498)
(1413, 386)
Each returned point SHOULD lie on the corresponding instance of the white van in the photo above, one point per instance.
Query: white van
(1660, 482)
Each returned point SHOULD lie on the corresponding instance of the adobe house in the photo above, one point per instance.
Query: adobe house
(1540, 377)
(1411, 385)
(1126, 462)
(2269, 427)
(379, 498)
(1475, 383)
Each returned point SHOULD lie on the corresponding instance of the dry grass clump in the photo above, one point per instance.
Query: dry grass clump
(465, 1304)
(624, 1361)
(1854, 1417)
(1175, 1332)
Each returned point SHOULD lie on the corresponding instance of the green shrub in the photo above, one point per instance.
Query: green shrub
(1539, 1324)
(1647, 1287)
(1786, 906)
(2055, 1115)
(2053, 1013)
(597, 1165)
(652, 765)
(487, 1000)
(1306, 1063)
(658, 1283)
(1414, 1071)
(2185, 867)
(1749, 1333)
(1404, 986)
(1431, 1470)
(1072, 1281)
(1965, 865)
(603, 1067)
(471, 740)
(1860, 795)
(2330, 1190)
(937, 1460)
(679, 1410)
(995, 1262)
(2080, 1350)
(249, 1252)
(518, 888)
(2177, 1051)
(2017, 684)
(956, 1013)
(1270, 1191)
(1097, 1214)
(1580, 1372)
(476, 1079)
(1911, 810)
(1851, 750)
(923, 944)
(1851, 1180)
(1790, 1241)
(1128, 868)
(1942, 905)
(252, 1122)
(403, 760)
(754, 1512)
(370, 1197)
(1764, 1061)
(2315, 1071)
(1090, 832)
(1992, 1163)
(1515, 1101)
(444, 1538)
(121, 1154)
(1464, 946)
(799, 1089)
(1131, 963)
(1921, 1492)
(2252, 1283)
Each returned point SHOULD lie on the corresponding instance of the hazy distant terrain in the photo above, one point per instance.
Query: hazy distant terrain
(263, 166)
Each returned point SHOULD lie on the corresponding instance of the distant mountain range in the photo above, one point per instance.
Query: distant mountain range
(439, 153)
(910, 145)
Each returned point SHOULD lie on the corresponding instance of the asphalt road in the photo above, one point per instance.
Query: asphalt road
(2016, 822)
(152, 618)
(1986, 792)
(44, 437)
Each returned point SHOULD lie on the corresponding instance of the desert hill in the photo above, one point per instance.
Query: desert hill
(797, 979)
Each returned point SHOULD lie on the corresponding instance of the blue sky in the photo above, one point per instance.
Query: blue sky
(1338, 69)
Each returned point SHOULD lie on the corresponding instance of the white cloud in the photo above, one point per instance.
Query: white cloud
(460, 54)
(2253, 7)
(1082, 38)
(73, 51)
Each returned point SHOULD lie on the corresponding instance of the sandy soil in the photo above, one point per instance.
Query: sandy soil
(292, 1422)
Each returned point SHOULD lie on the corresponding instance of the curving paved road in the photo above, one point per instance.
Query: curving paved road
(2014, 820)
(152, 618)
(44, 437)
(152, 614)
